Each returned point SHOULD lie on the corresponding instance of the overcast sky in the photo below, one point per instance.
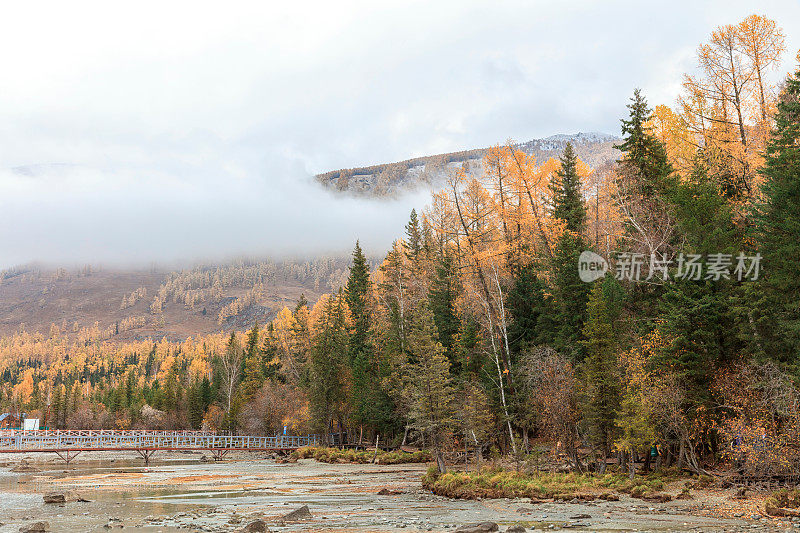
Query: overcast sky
(172, 130)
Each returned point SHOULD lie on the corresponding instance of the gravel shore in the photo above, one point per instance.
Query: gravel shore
(180, 492)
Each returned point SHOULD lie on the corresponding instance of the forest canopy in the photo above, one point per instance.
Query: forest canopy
(476, 330)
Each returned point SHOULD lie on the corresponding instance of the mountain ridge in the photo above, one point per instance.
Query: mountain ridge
(397, 178)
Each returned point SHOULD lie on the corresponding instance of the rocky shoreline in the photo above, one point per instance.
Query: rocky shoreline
(245, 493)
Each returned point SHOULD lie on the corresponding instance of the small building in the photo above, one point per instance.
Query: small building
(10, 421)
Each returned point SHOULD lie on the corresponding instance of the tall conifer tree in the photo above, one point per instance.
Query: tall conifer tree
(566, 204)
(601, 375)
(777, 229)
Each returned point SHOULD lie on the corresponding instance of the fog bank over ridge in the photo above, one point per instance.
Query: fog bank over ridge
(131, 138)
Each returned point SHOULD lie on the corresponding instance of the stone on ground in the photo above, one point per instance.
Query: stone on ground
(298, 514)
(256, 526)
(54, 497)
(482, 527)
(36, 527)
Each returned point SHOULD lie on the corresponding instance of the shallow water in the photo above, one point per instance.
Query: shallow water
(177, 493)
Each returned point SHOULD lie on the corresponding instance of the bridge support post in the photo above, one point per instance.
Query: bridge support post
(218, 454)
(146, 455)
(68, 455)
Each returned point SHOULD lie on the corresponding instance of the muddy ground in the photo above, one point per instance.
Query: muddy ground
(178, 492)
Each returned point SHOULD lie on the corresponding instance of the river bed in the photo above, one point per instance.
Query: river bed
(178, 492)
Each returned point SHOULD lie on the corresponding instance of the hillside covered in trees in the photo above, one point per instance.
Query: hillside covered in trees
(477, 331)
(95, 303)
(431, 172)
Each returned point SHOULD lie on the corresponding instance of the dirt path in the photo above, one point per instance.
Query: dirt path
(181, 494)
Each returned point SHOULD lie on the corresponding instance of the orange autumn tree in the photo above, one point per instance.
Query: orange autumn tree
(726, 106)
(759, 419)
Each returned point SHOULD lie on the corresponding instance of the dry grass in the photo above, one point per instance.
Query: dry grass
(493, 482)
(784, 502)
(337, 455)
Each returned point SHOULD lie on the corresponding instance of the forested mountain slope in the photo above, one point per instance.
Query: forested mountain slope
(92, 303)
(391, 179)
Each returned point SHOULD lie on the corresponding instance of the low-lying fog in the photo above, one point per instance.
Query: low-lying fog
(162, 131)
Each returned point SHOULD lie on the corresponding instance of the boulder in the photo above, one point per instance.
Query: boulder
(298, 514)
(36, 527)
(54, 497)
(516, 528)
(657, 497)
(256, 526)
(580, 516)
(388, 492)
(481, 527)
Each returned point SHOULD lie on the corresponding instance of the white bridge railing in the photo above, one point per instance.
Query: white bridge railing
(86, 440)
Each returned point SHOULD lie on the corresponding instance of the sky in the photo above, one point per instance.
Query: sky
(165, 131)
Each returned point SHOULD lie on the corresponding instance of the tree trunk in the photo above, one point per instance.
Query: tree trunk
(632, 470)
(500, 378)
(477, 452)
(441, 467)
(375, 455)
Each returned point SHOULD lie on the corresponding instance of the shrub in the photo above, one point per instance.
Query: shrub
(336, 455)
(492, 482)
(784, 502)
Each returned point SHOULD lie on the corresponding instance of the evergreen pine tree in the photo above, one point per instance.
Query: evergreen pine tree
(571, 293)
(394, 290)
(67, 402)
(36, 397)
(76, 397)
(206, 393)
(442, 297)
(328, 364)
(356, 295)
(532, 312)
(253, 375)
(777, 227)
(361, 351)
(642, 152)
(601, 375)
(195, 408)
(645, 187)
(432, 409)
(695, 314)
(56, 405)
(301, 302)
(413, 242)
(566, 200)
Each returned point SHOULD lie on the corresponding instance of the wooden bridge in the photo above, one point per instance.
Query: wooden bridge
(67, 444)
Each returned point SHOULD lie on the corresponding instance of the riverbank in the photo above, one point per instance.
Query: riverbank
(181, 493)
